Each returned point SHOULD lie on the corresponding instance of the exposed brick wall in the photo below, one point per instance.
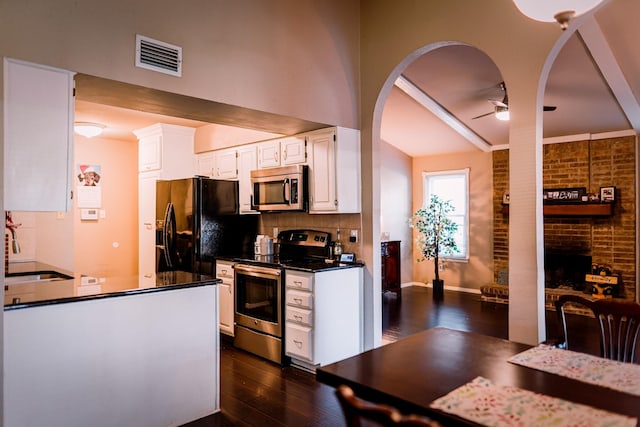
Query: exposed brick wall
(500, 221)
(590, 164)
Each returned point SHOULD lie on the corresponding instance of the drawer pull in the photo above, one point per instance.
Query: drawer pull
(297, 300)
(298, 343)
(298, 283)
(224, 271)
(297, 317)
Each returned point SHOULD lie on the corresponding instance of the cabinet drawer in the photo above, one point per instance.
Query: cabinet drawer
(299, 341)
(224, 269)
(299, 315)
(299, 299)
(295, 280)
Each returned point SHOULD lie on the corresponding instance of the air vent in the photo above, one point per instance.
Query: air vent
(158, 56)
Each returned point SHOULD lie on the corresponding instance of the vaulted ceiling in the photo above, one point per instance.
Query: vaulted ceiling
(594, 85)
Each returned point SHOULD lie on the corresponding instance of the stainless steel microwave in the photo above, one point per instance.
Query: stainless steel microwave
(280, 189)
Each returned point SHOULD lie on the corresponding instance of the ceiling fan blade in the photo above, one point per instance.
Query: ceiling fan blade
(483, 115)
(549, 108)
(498, 103)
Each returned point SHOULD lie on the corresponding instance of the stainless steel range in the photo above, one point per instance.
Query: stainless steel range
(259, 290)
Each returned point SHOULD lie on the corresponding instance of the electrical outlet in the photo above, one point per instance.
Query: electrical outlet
(275, 232)
(353, 238)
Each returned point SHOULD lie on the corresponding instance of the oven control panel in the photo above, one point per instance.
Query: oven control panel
(304, 238)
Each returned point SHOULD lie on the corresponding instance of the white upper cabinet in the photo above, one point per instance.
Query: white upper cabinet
(167, 148)
(205, 164)
(269, 154)
(334, 170)
(226, 164)
(247, 161)
(38, 138)
(150, 153)
(293, 150)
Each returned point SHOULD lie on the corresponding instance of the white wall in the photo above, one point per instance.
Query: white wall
(396, 204)
(297, 58)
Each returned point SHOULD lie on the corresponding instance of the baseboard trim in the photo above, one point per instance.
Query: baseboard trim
(448, 288)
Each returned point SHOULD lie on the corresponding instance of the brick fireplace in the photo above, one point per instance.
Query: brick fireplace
(606, 239)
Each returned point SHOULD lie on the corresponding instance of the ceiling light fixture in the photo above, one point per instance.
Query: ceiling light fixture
(502, 113)
(87, 129)
(561, 11)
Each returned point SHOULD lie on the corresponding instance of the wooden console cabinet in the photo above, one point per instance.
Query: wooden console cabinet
(390, 252)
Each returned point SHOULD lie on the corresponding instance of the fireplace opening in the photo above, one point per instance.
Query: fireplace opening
(564, 270)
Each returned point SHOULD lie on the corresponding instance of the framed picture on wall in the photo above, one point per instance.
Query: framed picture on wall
(607, 194)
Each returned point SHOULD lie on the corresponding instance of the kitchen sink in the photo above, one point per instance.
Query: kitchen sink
(35, 276)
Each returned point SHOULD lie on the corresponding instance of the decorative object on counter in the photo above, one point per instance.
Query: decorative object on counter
(12, 227)
(337, 246)
(436, 235)
(607, 194)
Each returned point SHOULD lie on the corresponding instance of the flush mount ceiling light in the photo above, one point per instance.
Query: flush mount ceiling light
(87, 129)
(561, 11)
(502, 113)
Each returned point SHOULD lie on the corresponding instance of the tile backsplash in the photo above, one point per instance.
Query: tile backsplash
(326, 222)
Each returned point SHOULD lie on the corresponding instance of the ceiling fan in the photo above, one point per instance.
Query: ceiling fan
(501, 106)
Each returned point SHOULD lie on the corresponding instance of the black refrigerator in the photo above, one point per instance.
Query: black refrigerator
(198, 219)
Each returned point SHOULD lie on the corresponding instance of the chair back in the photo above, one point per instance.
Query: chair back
(618, 321)
(357, 410)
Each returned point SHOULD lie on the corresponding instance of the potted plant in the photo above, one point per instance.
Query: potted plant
(436, 232)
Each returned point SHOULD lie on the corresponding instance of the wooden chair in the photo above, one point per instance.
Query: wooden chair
(619, 323)
(357, 410)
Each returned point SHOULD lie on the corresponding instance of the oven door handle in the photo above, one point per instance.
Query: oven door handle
(252, 270)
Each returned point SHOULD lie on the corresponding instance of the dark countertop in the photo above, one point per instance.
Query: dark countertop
(275, 262)
(33, 294)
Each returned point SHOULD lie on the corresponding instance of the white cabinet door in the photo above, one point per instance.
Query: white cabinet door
(224, 271)
(322, 172)
(147, 226)
(268, 154)
(334, 170)
(168, 149)
(293, 150)
(226, 164)
(205, 164)
(150, 153)
(247, 161)
(38, 142)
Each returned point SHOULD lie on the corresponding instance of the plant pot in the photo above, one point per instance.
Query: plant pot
(438, 289)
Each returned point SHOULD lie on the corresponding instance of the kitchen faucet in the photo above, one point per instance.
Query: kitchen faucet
(15, 246)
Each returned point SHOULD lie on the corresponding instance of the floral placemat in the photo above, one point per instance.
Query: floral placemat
(489, 404)
(624, 377)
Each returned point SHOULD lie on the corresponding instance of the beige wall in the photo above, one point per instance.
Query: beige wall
(215, 136)
(478, 270)
(396, 204)
(289, 57)
(109, 246)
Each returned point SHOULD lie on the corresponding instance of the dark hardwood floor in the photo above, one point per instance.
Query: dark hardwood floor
(255, 392)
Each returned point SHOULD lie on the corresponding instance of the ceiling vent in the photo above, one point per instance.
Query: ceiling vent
(158, 56)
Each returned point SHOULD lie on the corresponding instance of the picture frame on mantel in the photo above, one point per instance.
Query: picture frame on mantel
(607, 194)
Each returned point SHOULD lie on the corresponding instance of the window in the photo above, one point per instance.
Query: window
(454, 186)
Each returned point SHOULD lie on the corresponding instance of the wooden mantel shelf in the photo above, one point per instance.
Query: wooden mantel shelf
(578, 209)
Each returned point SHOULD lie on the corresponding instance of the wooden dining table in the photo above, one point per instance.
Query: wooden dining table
(411, 373)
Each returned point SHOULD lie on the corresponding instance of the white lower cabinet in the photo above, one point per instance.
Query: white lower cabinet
(323, 316)
(226, 296)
